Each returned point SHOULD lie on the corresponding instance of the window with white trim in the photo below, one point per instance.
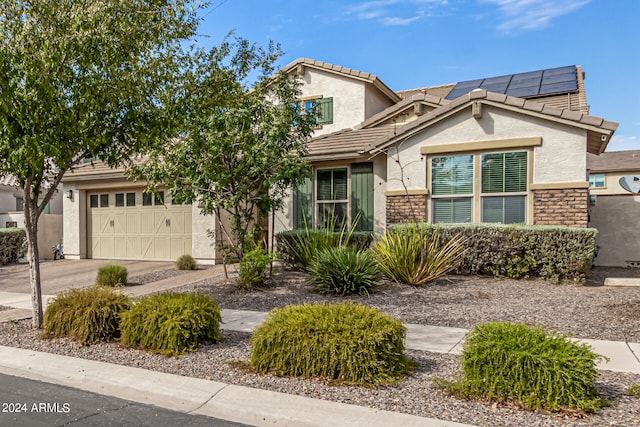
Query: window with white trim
(596, 180)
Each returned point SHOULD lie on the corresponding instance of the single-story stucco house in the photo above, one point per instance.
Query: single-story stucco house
(12, 215)
(509, 149)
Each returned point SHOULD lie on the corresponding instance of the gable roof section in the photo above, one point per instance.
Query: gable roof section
(299, 64)
(404, 106)
(345, 144)
(94, 171)
(614, 161)
(599, 131)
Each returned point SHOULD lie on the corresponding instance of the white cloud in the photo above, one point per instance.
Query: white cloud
(532, 14)
(623, 142)
(403, 12)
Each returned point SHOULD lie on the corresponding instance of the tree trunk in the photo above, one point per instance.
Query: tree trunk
(31, 224)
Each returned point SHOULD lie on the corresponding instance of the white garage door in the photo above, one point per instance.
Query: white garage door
(131, 224)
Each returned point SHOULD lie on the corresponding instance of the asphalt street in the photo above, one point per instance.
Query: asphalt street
(29, 403)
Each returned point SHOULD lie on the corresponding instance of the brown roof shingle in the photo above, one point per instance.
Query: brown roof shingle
(614, 161)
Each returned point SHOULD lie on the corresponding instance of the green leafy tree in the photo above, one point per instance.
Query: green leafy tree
(243, 142)
(84, 79)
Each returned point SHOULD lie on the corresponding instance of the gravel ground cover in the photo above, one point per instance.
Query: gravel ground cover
(585, 311)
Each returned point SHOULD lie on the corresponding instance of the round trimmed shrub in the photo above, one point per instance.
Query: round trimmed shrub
(88, 315)
(186, 262)
(344, 271)
(514, 362)
(345, 342)
(112, 275)
(171, 324)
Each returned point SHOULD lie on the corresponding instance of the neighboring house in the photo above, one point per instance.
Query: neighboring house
(614, 180)
(12, 215)
(510, 149)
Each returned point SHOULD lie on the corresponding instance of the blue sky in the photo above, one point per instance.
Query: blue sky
(417, 43)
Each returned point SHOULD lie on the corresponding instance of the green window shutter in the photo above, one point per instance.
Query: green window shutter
(452, 175)
(454, 210)
(302, 205)
(504, 172)
(362, 196)
(324, 108)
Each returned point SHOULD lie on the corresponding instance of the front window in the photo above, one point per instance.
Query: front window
(19, 204)
(596, 180)
(452, 188)
(504, 187)
(331, 198)
(500, 195)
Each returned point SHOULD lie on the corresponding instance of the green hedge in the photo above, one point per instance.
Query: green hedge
(522, 364)
(13, 245)
(347, 342)
(522, 251)
(288, 241)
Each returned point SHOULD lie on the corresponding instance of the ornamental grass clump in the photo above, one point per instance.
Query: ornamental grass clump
(171, 324)
(88, 315)
(408, 255)
(344, 271)
(516, 363)
(186, 262)
(347, 343)
(112, 275)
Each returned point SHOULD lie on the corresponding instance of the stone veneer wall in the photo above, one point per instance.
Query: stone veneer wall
(399, 208)
(567, 207)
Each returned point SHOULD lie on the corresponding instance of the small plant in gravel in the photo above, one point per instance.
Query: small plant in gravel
(186, 262)
(88, 315)
(171, 324)
(514, 362)
(253, 267)
(344, 271)
(408, 255)
(633, 390)
(112, 275)
(348, 343)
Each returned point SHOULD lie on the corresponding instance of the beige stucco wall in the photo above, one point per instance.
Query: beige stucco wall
(375, 101)
(7, 200)
(612, 183)
(560, 158)
(74, 223)
(49, 234)
(348, 97)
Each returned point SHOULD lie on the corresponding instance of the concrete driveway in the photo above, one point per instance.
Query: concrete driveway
(60, 275)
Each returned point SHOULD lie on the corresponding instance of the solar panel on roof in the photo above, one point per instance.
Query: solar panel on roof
(529, 84)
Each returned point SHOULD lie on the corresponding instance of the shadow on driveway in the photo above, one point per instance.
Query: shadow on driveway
(57, 276)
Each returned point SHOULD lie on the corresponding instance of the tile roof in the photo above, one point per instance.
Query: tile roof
(595, 125)
(9, 181)
(347, 143)
(348, 72)
(403, 105)
(614, 161)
